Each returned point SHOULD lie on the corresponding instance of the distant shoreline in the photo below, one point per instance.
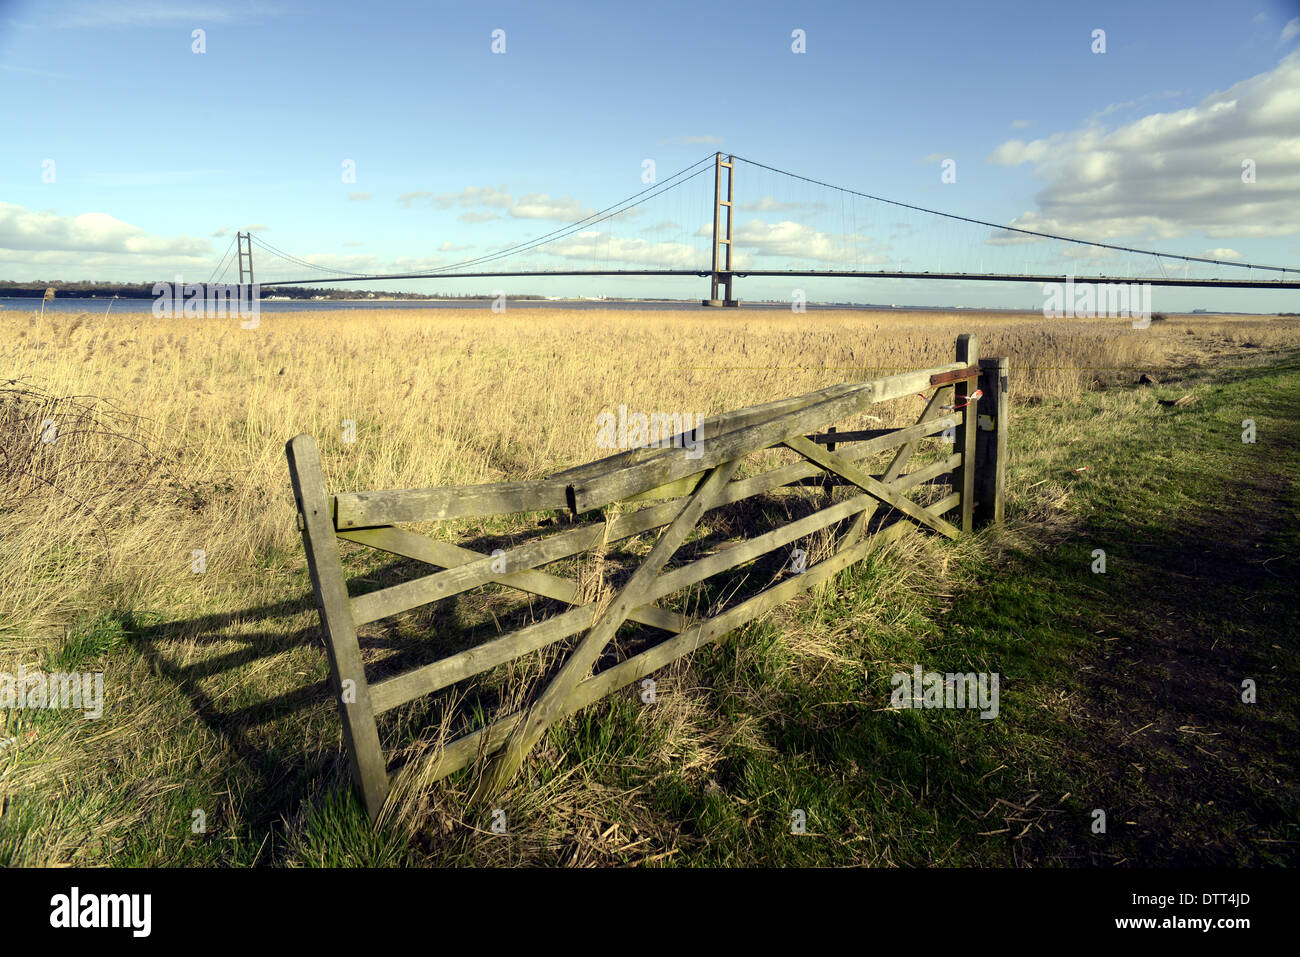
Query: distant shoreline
(136, 304)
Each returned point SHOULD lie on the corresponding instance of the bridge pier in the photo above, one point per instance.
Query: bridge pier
(721, 280)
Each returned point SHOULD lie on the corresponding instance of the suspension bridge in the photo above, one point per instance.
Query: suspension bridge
(694, 223)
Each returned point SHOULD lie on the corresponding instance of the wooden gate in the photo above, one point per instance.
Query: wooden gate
(690, 477)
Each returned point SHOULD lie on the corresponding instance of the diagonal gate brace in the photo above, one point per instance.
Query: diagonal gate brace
(550, 705)
(895, 469)
(829, 460)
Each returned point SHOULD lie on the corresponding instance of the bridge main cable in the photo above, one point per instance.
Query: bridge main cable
(1014, 229)
(655, 189)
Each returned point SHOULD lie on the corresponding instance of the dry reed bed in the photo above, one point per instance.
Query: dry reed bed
(176, 443)
(437, 397)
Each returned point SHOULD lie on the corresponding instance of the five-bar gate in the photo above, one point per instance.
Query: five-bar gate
(684, 481)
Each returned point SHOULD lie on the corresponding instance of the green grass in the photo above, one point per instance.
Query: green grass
(1118, 691)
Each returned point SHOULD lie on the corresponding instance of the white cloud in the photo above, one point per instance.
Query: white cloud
(45, 243)
(269, 270)
(46, 231)
(145, 13)
(1019, 124)
(631, 212)
(1015, 152)
(594, 244)
(768, 205)
(541, 206)
(1129, 104)
(471, 196)
(1091, 254)
(483, 204)
(1168, 174)
(360, 197)
(367, 263)
(799, 241)
(420, 264)
(1290, 31)
(1221, 253)
(414, 198)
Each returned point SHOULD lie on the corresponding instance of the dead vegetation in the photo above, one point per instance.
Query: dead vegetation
(168, 437)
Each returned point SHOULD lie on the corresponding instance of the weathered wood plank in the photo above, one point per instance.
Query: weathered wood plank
(351, 690)
(438, 675)
(679, 489)
(613, 486)
(399, 541)
(404, 596)
(399, 689)
(991, 442)
(945, 505)
(968, 348)
(925, 474)
(868, 484)
(460, 753)
(970, 372)
(388, 507)
(751, 548)
(575, 668)
(880, 440)
(713, 425)
(366, 517)
(901, 457)
(367, 509)
(831, 436)
(936, 403)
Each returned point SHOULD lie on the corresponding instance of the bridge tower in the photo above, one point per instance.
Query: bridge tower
(722, 276)
(245, 241)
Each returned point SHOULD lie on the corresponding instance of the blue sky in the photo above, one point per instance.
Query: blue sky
(160, 153)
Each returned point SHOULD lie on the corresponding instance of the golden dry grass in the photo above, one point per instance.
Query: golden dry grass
(183, 424)
(437, 397)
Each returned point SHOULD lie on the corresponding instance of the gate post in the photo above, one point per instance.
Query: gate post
(991, 443)
(348, 673)
(963, 479)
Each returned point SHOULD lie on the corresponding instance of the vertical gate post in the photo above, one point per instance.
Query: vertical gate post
(352, 692)
(991, 443)
(963, 479)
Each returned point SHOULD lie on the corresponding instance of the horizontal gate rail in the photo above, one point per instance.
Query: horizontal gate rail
(689, 487)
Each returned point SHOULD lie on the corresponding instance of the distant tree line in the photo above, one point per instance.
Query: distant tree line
(35, 290)
(144, 290)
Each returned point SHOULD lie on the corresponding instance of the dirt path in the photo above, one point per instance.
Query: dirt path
(1188, 773)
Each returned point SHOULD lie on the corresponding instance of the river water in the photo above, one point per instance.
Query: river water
(102, 305)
